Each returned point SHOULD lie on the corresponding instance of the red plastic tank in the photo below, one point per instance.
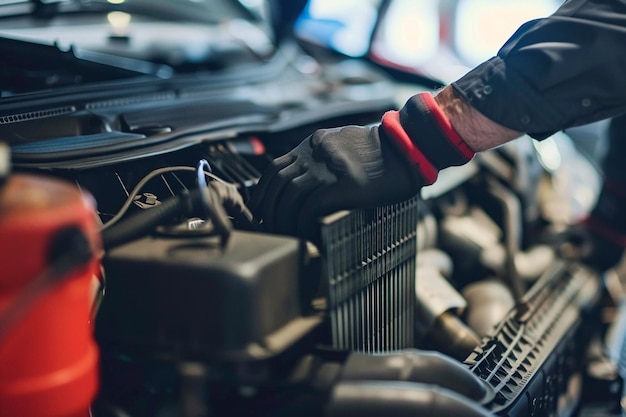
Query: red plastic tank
(48, 357)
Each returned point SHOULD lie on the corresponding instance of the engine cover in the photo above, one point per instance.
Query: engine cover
(190, 298)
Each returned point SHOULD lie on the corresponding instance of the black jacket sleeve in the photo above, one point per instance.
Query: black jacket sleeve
(561, 71)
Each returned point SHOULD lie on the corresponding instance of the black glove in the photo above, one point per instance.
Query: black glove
(330, 170)
(353, 167)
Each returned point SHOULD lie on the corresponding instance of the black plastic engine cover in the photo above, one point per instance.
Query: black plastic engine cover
(188, 297)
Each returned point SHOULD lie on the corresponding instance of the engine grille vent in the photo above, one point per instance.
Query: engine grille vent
(39, 114)
(125, 101)
(368, 261)
(533, 350)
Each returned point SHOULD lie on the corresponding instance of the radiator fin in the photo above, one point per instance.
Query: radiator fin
(369, 267)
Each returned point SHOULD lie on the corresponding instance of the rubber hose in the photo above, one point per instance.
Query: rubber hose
(399, 399)
(143, 222)
(416, 366)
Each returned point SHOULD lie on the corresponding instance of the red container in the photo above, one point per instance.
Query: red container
(48, 357)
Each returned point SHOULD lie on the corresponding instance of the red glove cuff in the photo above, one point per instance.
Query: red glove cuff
(423, 132)
(391, 123)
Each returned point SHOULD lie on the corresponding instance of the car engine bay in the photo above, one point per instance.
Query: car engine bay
(461, 301)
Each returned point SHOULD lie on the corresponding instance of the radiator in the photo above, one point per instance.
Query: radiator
(368, 266)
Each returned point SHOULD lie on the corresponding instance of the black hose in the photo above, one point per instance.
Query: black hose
(417, 366)
(399, 399)
(143, 222)
(219, 198)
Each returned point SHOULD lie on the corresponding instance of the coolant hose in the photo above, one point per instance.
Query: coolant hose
(416, 366)
(399, 399)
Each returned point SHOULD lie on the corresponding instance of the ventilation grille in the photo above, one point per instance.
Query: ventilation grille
(369, 267)
(126, 101)
(33, 115)
(534, 351)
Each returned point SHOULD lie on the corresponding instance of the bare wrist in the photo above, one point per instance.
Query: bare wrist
(479, 132)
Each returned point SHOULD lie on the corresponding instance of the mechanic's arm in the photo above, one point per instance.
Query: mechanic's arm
(553, 73)
(557, 72)
(479, 132)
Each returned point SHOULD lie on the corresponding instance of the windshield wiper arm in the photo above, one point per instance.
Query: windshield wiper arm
(41, 65)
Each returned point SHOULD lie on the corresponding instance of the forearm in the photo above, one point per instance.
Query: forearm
(477, 131)
(554, 73)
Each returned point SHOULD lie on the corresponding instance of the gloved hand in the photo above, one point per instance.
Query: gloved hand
(333, 169)
(353, 167)
(599, 241)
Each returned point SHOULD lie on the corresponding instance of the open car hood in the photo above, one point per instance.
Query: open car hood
(93, 83)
